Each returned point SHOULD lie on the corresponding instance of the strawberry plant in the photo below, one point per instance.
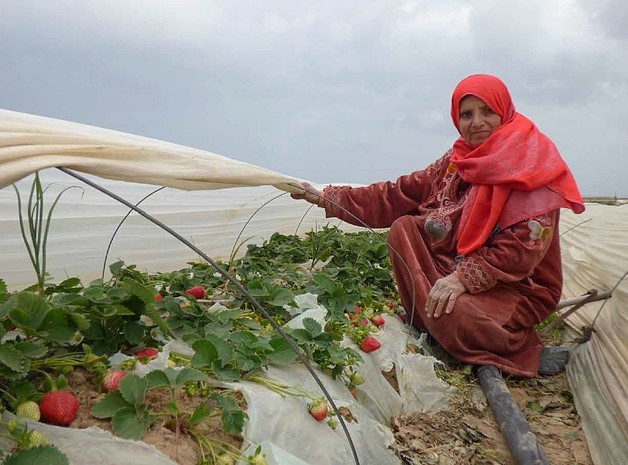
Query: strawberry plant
(127, 408)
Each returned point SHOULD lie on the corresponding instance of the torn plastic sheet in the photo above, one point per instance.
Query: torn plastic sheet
(282, 425)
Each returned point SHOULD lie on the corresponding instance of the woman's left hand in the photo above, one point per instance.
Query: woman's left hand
(443, 295)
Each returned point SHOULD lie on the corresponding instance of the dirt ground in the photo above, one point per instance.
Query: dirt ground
(163, 435)
(467, 433)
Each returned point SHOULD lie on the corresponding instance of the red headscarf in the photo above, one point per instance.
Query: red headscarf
(517, 173)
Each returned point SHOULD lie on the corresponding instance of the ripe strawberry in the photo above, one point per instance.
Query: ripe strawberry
(369, 344)
(158, 297)
(147, 354)
(197, 292)
(58, 407)
(318, 409)
(28, 410)
(112, 379)
(378, 320)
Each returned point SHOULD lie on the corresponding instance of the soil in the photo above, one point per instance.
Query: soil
(163, 434)
(465, 432)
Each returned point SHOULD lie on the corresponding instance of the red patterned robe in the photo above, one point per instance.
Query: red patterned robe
(514, 281)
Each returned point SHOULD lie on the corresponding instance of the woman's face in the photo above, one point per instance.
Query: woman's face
(477, 121)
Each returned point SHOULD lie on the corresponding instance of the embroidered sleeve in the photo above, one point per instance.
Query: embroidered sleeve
(379, 204)
(511, 255)
(474, 275)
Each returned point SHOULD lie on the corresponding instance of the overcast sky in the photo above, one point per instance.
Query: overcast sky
(330, 91)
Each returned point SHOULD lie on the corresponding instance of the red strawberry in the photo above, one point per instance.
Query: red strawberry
(197, 292)
(112, 379)
(158, 297)
(318, 409)
(378, 320)
(58, 407)
(369, 344)
(146, 354)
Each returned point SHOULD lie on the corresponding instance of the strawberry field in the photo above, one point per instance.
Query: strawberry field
(310, 364)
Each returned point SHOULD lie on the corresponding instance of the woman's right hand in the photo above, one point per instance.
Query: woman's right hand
(310, 194)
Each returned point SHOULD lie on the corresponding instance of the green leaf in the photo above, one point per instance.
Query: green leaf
(14, 359)
(109, 405)
(116, 268)
(29, 311)
(324, 281)
(200, 413)
(189, 374)
(205, 354)
(224, 351)
(30, 349)
(282, 353)
(49, 455)
(22, 391)
(129, 424)
(312, 327)
(157, 379)
(81, 321)
(133, 332)
(151, 312)
(4, 292)
(133, 388)
(116, 310)
(57, 326)
(301, 335)
(231, 416)
(232, 421)
(535, 407)
(226, 373)
(145, 293)
(281, 297)
(249, 324)
(243, 338)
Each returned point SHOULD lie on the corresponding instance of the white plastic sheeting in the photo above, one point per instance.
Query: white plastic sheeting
(30, 143)
(84, 222)
(595, 256)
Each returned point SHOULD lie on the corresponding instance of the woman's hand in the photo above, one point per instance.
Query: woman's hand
(443, 295)
(310, 193)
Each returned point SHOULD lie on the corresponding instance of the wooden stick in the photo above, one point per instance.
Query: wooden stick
(577, 302)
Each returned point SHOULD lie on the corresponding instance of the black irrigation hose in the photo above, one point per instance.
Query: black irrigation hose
(104, 262)
(521, 441)
(239, 286)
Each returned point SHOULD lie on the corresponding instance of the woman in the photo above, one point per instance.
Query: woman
(474, 237)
